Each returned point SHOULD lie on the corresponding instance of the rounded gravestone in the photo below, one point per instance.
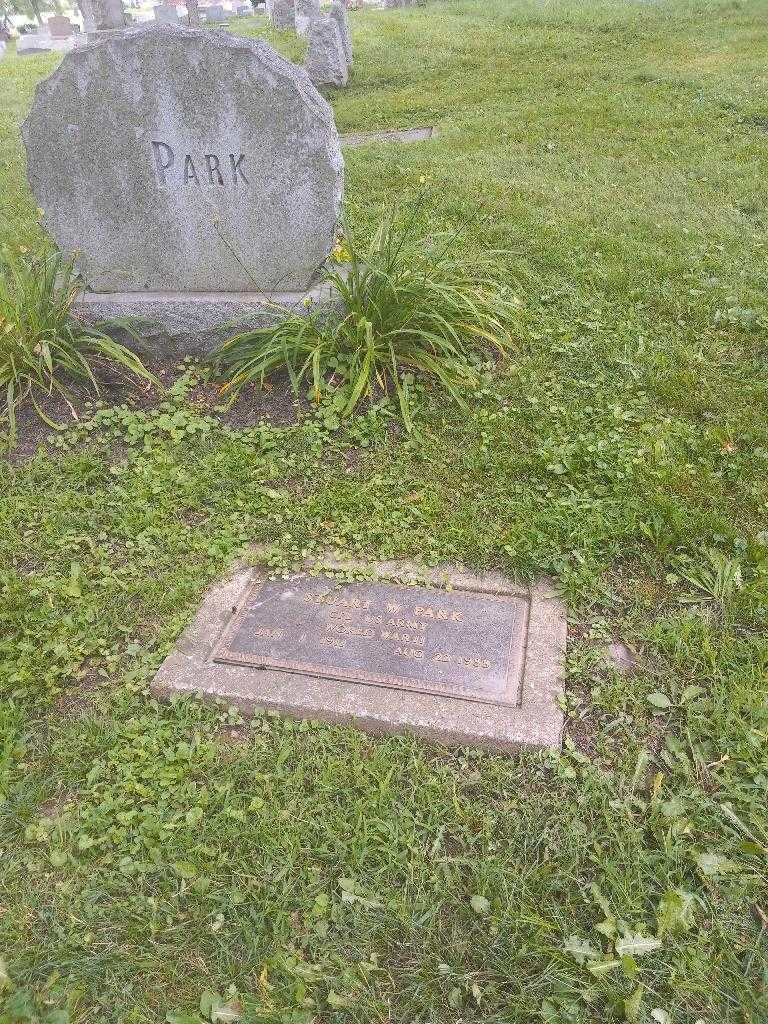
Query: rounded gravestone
(183, 160)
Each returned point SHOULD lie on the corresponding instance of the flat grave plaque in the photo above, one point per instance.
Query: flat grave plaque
(452, 643)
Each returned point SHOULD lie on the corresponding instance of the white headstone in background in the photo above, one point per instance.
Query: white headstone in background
(33, 42)
(167, 14)
(215, 13)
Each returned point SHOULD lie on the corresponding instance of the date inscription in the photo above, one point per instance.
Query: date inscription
(459, 644)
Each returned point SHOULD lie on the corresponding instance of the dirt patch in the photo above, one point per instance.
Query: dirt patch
(274, 403)
(55, 806)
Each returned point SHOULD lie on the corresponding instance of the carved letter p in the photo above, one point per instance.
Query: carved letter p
(161, 167)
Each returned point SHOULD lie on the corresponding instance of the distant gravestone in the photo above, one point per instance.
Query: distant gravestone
(59, 27)
(339, 14)
(33, 42)
(326, 61)
(176, 160)
(2, 47)
(283, 15)
(108, 15)
(306, 10)
(167, 14)
(215, 13)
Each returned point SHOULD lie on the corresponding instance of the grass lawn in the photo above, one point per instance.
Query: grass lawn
(174, 860)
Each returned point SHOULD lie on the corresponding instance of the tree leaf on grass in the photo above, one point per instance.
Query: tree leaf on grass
(711, 863)
(5, 978)
(602, 967)
(690, 693)
(632, 1004)
(580, 949)
(480, 904)
(676, 912)
(338, 1002)
(227, 1012)
(636, 945)
(184, 869)
(659, 700)
(352, 892)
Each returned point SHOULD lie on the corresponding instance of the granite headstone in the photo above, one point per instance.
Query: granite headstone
(339, 14)
(108, 16)
(172, 159)
(326, 62)
(306, 10)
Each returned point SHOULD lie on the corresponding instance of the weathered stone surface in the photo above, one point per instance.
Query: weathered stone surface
(171, 325)
(59, 27)
(528, 716)
(306, 10)
(177, 159)
(340, 15)
(283, 15)
(621, 657)
(166, 13)
(326, 62)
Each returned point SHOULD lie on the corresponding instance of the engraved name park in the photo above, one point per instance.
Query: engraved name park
(181, 161)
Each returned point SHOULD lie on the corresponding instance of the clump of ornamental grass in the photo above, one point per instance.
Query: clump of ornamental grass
(43, 349)
(411, 308)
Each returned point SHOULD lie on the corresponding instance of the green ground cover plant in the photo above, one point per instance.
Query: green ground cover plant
(409, 307)
(174, 862)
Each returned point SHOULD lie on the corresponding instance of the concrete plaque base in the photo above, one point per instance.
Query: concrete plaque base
(177, 324)
(312, 648)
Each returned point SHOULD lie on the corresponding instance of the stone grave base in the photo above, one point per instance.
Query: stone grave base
(175, 324)
(354, 139)
(530, 718)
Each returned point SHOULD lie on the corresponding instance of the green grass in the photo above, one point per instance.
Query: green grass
(618, 152)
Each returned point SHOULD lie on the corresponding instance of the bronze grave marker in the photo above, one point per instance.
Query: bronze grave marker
(463, 658)
(453, 643)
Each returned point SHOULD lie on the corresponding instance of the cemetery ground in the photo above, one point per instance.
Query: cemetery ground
(175, 859)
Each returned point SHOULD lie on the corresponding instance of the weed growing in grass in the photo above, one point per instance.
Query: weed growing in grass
(412, 307)
(40, 344)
